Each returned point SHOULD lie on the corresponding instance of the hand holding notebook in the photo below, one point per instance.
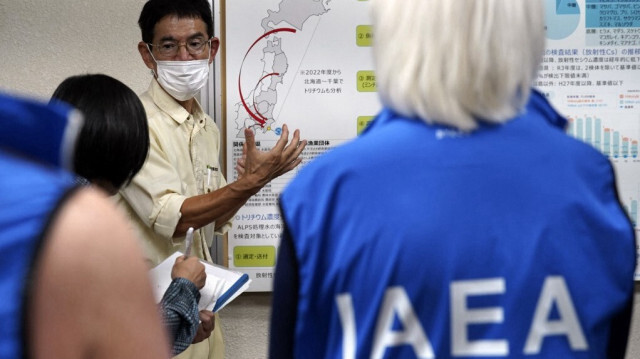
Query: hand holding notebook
(222, 285)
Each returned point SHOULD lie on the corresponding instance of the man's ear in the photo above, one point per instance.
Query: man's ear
(143, 49)
(215, 45)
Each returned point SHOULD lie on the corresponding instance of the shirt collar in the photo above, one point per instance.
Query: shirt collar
(170, 106)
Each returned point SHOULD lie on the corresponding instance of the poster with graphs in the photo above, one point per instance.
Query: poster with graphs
(591, 73)
(307, 64)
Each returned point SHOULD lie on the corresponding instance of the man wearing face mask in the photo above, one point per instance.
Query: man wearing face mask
(181, 184)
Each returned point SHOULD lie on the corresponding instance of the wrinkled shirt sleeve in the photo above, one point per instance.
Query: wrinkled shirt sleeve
(155, 193)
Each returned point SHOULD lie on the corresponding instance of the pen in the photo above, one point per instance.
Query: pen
(188, 242)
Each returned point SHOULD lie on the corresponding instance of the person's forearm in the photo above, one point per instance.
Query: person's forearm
(179, 306)
(258, 169)
(218, 206)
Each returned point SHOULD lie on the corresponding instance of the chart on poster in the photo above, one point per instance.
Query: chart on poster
(562, 17)
(308, 64)
(591, 74)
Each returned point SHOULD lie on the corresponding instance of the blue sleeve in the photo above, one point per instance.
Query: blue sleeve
(180, 313)
(285, 300)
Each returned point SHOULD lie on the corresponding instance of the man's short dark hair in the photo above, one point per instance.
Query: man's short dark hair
(154, 10)
(114, 140)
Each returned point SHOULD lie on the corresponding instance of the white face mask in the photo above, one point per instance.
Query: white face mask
(183, 79)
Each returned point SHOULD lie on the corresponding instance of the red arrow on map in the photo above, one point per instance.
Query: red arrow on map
(258, 118)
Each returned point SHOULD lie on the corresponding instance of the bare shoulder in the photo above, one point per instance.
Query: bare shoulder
(91, 295)
(91, 225)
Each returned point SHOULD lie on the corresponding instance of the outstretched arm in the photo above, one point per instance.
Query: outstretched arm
(259, 168)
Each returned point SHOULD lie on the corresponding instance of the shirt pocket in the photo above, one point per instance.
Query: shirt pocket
(212, 178)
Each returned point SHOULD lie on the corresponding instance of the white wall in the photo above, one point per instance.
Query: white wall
(44, 41)
(245, 326)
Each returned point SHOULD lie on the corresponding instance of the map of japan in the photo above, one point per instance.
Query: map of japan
(259, 99)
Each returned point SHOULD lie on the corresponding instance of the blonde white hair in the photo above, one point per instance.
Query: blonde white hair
(455, 62)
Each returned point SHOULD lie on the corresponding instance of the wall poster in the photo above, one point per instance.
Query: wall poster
(591, 74)
(303, 63)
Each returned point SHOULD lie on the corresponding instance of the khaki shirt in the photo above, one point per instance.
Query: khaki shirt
(183, 162)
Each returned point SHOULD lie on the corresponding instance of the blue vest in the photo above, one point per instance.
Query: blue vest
(29, 197)
(417, 240)
(46, 133)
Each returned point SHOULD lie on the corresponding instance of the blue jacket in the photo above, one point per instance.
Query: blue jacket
(30, 194)
(417, 240)
(29, 197)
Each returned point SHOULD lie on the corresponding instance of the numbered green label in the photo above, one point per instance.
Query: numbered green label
(363, 122)
(364, 35)
(254, 256)
(366, 81)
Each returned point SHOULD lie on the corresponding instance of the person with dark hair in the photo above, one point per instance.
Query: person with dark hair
(114, 141)
(154, 11)
(61, 294)
(111, 148)
(181, 184)
(463, 222)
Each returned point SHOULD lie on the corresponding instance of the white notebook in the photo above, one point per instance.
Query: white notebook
(222, 286)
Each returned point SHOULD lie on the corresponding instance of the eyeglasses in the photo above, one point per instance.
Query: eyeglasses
(169, 48)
